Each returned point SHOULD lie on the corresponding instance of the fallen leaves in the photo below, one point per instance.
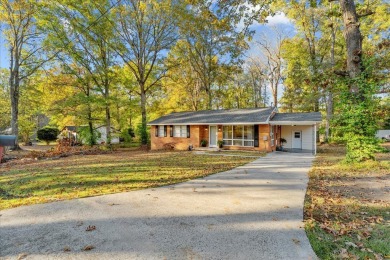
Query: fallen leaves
(345, 213)
(296, 241)
(88, 248)
(22, 256)
(348, 244)
(91, 228)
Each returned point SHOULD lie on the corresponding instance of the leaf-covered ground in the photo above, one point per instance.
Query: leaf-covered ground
(91, 175)
(347, 207)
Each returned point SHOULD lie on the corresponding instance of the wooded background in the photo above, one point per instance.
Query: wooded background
(123, 63)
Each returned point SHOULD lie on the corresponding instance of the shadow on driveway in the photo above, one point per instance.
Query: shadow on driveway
(251, 212)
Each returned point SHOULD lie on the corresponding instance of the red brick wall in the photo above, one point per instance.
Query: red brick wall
(179, 143)
(198, 133)
(264, 132)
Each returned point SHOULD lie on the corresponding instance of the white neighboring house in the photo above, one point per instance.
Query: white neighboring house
(383, 134)
(103, 135)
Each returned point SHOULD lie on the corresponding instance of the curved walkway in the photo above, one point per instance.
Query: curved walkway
(251, 212)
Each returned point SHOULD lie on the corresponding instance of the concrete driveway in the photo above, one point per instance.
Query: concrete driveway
(251, 212)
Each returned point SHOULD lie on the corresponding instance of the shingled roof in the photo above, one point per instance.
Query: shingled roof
(297, 117)
(223, 116)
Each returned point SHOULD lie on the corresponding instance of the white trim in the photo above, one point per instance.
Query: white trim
(216, 136)
(292, 123)
(243, 140)
(227, 123)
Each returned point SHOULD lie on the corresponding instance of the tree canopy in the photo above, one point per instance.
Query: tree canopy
(120, 64)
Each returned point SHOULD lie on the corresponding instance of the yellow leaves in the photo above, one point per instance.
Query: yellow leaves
(142, 6)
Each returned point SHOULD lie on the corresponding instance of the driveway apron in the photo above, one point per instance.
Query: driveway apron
(251, 212)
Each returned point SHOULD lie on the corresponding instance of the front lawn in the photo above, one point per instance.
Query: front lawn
(347, 207)
(91, 175)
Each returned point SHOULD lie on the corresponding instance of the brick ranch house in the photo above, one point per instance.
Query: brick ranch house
(239, 129)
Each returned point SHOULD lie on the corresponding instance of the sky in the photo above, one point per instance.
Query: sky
(4, 60)
(279, 20)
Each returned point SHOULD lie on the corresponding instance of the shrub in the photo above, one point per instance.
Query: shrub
(127, 135)
(48, 134)
(130, 131)
(87, 137)
(358, 119)
(142, 132)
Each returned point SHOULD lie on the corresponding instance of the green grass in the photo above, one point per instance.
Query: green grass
(83, 176)
(346, 211)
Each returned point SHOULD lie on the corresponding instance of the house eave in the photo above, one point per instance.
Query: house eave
(212, 123)
(294, 122)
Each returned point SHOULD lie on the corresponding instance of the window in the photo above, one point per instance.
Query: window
(227, 132)
(180, 131)
(271, 133)
(161, 131)
(297, 134)
(238, 135)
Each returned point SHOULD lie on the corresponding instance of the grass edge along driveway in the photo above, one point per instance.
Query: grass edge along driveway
(93, 175)
(347, 207)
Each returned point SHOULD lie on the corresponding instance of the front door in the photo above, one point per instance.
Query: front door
(297, 140)
(213, 136)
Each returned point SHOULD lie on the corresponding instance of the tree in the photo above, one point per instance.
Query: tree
(305, 54)
(5, 111)
(23, 38)
(358, 119)
(81, 36)
(353, 39)
(271, 53)
(212, 41)
(182, 86)
(257, 73)
(146, 30)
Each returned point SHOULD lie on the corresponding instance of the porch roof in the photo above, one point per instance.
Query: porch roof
(296, 118)
(222, 116)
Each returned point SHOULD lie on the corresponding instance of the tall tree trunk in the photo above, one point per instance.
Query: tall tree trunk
(275, 95)
(92, 140)
(329, 98)
(14, 83)
(108, 115)
(353, 40)
(144, 139)
(210, 101)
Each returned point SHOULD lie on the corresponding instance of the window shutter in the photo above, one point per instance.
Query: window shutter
(188, 132)
(256, 135)
(165, 131)
(156, 131)
(171, 131)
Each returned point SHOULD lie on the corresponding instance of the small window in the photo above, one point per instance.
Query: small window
(297, 134)
(180, 131)
(161, 131)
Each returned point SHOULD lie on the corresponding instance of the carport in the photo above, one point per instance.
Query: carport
(298, 129)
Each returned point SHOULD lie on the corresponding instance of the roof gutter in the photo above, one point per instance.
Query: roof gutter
(211, 123)
(294, 122)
